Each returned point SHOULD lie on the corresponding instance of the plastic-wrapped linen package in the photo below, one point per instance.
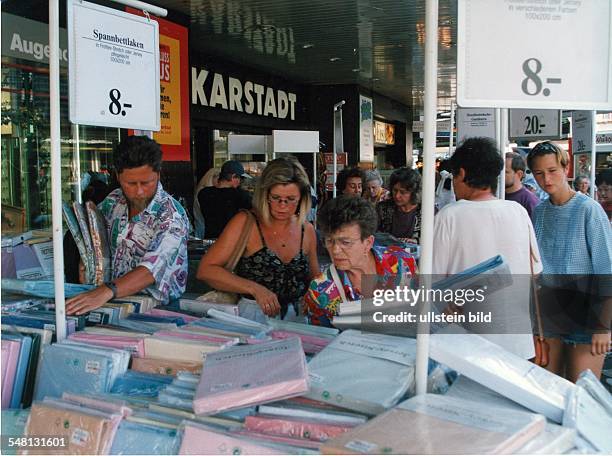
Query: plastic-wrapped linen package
(145, 326)
(103, 403)
(138, 438)
(311, 344)
(225, 328)
(504, 372)
(592, 384)
(77, 235)
(13, 425)
(100, 243)
(222, 341)
(170, 313)
(10, 357)
(121, 358)
(81, 217)
(308, 413)
(84, 430)
(590, 419)
(21, 368)
(219, 421)
(300, 328)
(365, 372)
(253, 374)
(43, 288)
(291, 427)
(164, 366)
(466, 388)
(202, 439)
(554, 440)
(78, 369)
(140, 384)
(134, 345)
(164, 347)
(440, 425)
(296, 442)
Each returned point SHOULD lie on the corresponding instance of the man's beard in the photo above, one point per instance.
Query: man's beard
(139, 205)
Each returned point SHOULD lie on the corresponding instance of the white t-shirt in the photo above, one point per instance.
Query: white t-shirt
(469, 232)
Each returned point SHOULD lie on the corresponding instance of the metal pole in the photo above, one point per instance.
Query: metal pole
(160, 12)
(593, 152)
(452, 123)
(502, 151)
(314, 182)
(77, 160)
(56, 170)
(498, 141)
(427, 209)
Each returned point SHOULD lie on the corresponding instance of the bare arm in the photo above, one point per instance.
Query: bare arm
(212, 271)
(311, 251)
(132, 282)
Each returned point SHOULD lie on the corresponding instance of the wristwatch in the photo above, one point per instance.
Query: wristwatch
(112, 287)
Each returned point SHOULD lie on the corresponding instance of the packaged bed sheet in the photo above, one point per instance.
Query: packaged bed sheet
(506, 373)
(138, 438)
(364, 372)
(241, 376)
(435, 424)
(590, 419)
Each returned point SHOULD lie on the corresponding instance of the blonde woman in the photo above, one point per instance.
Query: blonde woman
(280, 257)
(209, 179)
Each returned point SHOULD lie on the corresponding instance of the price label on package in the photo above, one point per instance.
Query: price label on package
(113, 67)
(549, 54)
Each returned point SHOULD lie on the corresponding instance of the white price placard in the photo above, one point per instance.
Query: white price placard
(582, 131)
(535, 123)
(473, 122)
(554, 54)
(113, 67)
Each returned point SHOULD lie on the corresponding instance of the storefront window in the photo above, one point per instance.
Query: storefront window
(25, 158)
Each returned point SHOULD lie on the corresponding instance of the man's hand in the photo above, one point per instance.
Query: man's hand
(600, 343)
(88, 301)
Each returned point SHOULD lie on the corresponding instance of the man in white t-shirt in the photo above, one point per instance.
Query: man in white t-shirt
(479, 226)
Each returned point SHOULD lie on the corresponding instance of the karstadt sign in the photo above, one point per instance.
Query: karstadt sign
(216, 90)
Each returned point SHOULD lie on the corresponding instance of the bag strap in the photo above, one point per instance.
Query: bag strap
(240, 246)
(535, 294)
(338, 283)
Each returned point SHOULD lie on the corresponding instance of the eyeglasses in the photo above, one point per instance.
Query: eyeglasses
(289, 201)
(343, 243)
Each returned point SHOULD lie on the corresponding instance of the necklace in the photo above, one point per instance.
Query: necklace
(282, 241)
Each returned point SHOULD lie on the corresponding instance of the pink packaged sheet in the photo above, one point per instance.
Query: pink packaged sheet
(311, 344)
(295, 428)
(252, 374)
(170, 313)
(10, 356)
(296, 442)
(105, 404)
(199, 439)
(215, 339)
(135, 345)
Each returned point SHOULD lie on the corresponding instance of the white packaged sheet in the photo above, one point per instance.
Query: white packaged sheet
(364, 372)
(252, 374)
(592, 421)
(506, 373)
(435, 424)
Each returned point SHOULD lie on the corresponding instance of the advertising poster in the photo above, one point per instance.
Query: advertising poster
(174, 135)
(366, 129)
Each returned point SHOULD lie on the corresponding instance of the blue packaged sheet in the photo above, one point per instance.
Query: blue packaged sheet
(138, 438)
(80, 369)
(140, 384)
(13, 425)
(22, 367)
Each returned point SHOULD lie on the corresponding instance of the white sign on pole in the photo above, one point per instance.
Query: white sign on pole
(532, 123)
(473, 122)
(582, 132)
(113, 67)
(366, 129)
(543, 54)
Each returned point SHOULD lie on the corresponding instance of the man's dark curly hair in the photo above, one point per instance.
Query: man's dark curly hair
(481, 160)
(137, 151)
(409, 179)
(344, 175)
(346, 210)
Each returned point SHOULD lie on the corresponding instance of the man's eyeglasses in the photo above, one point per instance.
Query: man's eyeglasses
(290, 201)
(343, 243)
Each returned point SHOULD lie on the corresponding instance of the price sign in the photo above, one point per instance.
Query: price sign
(541, 123)
(582, 131)
(543, 54)
(473, 122)
(113, 67)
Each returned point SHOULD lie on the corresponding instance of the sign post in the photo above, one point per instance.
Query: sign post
(113, 67)
(537, 56)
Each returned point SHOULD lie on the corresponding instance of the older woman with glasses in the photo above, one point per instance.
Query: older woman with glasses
(348, 225)
(280, 257)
